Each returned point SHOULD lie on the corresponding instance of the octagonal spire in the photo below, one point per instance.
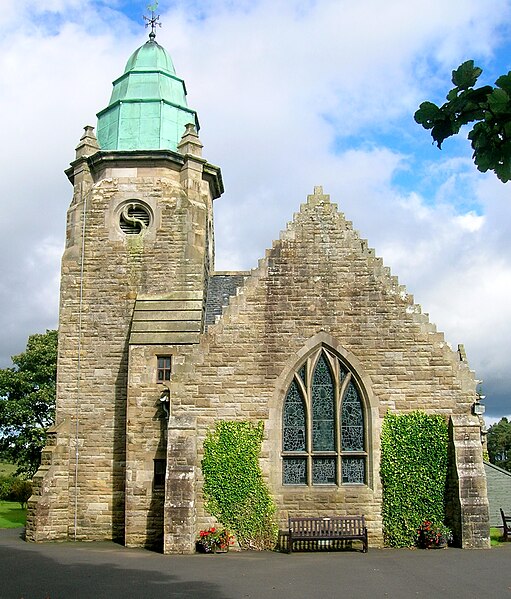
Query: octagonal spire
(148, 108)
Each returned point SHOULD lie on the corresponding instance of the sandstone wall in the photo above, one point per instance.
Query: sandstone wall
(104, 270)
(319, 285)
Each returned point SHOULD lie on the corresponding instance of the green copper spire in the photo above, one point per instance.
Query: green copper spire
(147, 109)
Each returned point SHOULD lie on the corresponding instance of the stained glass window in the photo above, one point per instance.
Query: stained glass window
(354, 470)
(301, 372)
(294, 421)
(323, 426)
(295, 471)
(330, 437)
(352, 421)
(324, 471)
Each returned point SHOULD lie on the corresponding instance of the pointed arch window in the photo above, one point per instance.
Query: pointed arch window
(323, 429)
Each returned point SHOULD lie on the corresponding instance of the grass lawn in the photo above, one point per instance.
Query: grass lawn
(11, 514)
(496, 537)
(7, 469)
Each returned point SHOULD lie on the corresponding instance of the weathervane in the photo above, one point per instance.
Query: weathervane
(153, 20)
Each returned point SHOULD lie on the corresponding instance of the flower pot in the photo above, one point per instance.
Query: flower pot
(202, 548)
(440, 545)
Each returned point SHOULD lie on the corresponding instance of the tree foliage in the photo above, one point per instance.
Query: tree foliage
(27, 402)
(413, 472)
(234, 489)
(489, 107)
(499, 444)
(13, 488)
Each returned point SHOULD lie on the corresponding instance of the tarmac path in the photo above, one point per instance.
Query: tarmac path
(105, 570)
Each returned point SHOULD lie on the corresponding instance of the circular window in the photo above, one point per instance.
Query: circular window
(134, 218)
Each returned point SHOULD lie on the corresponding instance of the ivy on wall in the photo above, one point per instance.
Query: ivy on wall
(234, 490)
(413, 473)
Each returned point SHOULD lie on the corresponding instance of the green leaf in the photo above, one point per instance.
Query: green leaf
(499, 443)
(466, 75)
(234, 489)
(499, 102)
(413, 472)
(504, 82)
(503, 173)
(442, 130)
(489, 108)
(427, 114)
(452, 95)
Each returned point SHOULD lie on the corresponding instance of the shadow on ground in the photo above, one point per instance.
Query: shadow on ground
(91, 571)
(109, 571)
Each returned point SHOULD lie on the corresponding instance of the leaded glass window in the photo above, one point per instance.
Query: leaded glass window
(352, 421)
(323, 422)
(323, 425)
(324, 471)
(295, 471)
(294, 421)
(353, 470)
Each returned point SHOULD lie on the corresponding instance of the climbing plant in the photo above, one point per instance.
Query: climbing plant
(413, 472)
(234, 490)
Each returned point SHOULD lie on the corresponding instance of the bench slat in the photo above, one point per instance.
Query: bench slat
(327, 528)
(505, 521)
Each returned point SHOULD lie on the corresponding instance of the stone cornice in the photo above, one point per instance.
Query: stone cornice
(148, 158)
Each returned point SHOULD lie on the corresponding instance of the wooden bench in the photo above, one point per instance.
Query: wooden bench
(333, 528)
(506, 525)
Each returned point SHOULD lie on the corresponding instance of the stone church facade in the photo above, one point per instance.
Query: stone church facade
(155, 346)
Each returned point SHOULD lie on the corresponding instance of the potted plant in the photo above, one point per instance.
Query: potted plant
(213, 540)
(431, 535)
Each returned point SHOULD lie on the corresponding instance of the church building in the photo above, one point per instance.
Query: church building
(319, 341)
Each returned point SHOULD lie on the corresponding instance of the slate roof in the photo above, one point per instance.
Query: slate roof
(221, 286)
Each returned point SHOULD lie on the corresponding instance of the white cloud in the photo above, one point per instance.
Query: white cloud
(290, 94)
(470, 221)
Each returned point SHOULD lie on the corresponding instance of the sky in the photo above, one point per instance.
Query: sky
(290, 94)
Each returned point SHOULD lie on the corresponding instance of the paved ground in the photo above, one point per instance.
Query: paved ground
(109, 571)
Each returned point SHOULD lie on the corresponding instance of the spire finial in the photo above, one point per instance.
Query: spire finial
(153, 19)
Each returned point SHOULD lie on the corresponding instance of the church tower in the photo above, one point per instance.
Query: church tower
(139, 250)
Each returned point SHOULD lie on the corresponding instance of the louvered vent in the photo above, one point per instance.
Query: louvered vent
(134, 219)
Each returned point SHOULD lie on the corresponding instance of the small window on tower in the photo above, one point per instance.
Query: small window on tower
(134, 218)
(159, 473)
(164, 366)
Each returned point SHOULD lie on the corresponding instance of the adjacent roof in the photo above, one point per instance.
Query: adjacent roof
(176, 318)
(148, 108)
(221, 287)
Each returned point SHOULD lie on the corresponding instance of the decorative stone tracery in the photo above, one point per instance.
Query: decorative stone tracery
(323, 434)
